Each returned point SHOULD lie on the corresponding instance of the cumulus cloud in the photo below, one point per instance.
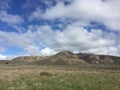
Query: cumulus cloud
(2, 57)
(36, 14)
(13, 38)
(48, 51)
(42, 40)
(75, 38)
(35, 50)
(106, 12)
(7, 17)
(6, 57)
(106, 50)
(29, 41)
(10, 19)
(32, 50)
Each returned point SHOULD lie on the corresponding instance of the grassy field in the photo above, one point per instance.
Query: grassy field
(35, 77)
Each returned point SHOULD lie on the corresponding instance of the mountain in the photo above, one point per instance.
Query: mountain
(66, 58)
(99, 59)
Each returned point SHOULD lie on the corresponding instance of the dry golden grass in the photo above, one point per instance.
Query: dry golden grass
(10, 72)
(34, 77)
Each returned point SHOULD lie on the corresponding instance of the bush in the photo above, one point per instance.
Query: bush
(45, 73)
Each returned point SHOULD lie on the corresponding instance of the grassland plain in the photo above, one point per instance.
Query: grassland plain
(35, 77)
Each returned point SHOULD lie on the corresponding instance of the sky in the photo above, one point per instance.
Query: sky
(46, 27)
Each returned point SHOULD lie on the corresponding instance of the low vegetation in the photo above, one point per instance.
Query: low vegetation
(35, 77)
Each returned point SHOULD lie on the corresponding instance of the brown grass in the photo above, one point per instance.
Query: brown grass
(33, 77)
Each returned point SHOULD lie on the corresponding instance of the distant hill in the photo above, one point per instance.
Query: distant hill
(99, 59)
(63, 58)
(27, 59)
(5, 61)
(66, 58)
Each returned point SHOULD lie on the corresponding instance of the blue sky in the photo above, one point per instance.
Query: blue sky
(45, 27)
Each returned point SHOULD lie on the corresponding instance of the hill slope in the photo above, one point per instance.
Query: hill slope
(67, 58)
(99, 59)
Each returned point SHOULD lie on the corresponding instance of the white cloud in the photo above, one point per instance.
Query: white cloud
(32, 50)
(6, 57)
(12, 38)
(29, 41)
(35, 50)
(42, 40)
(35, 15)
(76, 38)
(47, 51)
(10, 19)
(2, 57)
(106, 12)
(106, 50)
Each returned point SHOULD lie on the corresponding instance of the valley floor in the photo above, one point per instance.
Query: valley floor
(35, 77)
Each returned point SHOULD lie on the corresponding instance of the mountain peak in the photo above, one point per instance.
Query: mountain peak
(65, 52)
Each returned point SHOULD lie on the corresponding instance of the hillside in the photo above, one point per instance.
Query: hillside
(66, 58)
(63, 58)
(28, 59)
(99, 59)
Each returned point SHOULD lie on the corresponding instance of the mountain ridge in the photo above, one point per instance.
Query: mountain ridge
(67, 58)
